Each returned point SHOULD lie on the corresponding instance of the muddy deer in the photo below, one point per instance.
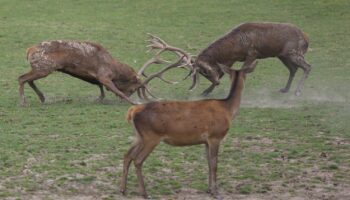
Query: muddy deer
(246, 43)
(87, 61)
(183, 123)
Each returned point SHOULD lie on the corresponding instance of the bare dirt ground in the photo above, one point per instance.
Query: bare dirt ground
(188, 194)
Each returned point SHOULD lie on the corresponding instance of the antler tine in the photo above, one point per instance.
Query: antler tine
(139, 93)
(158, 43)
(149, 92)
(195, 77)
(155, 60)
(167, 81)
(142, 93)
(160, 73)
(185, 61)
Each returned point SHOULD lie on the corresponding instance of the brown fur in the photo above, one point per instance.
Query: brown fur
(131, 112)
(30, 51)
(182, 123)
(250, 41)
(84, 60)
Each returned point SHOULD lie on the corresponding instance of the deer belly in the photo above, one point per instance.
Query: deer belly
(81, 75)
(185, 139)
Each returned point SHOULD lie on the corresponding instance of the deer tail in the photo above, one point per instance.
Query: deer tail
(133, 110)
(306, 37)
(306, 44)
(30, 51)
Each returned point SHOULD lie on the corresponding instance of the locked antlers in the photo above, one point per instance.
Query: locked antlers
(185, 60)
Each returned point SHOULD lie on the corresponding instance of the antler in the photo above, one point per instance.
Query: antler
(143, 89)
(157, 43)
(185, 61)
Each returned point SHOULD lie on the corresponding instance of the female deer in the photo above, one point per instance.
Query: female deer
(182, 123)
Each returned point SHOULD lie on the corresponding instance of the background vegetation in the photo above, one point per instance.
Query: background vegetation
(71, 147)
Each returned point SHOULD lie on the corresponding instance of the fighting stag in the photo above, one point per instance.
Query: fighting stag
(248, 42)
(199, 122)
(87, 61)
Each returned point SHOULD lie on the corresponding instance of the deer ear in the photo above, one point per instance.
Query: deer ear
(225, 68)
(251, 67)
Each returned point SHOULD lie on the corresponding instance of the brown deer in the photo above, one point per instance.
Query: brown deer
(183, 123)
(87, 61)
(246, 43)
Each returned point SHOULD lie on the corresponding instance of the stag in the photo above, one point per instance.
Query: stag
(246, 43)
(87, 61)
(199, 122)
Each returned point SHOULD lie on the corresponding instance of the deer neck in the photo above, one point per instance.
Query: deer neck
(233, 100)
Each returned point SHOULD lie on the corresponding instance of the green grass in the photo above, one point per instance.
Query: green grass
(73, 147)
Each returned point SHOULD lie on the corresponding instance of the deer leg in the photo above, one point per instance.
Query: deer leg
(292, 70)
(120, 99)
(30, 77)
(215, 83)
(141, 157)
(110, 85)
(209, 167)
(128, 157)
(249, 63)
(102, 93)
(299, 61)
(209, 89)
(37, 91)
(213, 147)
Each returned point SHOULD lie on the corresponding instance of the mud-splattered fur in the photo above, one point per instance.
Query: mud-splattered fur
(84, 60)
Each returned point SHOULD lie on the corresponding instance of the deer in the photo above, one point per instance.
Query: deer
(89, 62)
(246, 43)
(184, 123)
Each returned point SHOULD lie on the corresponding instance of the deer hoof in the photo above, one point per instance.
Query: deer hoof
(146, 196)
(23, 102)
(99, 100)
(215, 194)
(42, 99)
(205, 93)
(123, 191)
(218, 196)
(283, 90)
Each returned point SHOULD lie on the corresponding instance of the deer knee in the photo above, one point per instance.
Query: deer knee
(127, 158)
(308, 67)
(138, 163)
(20, 80)
(216, 82)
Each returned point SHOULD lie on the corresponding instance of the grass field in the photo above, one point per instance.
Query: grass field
(280, 146)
